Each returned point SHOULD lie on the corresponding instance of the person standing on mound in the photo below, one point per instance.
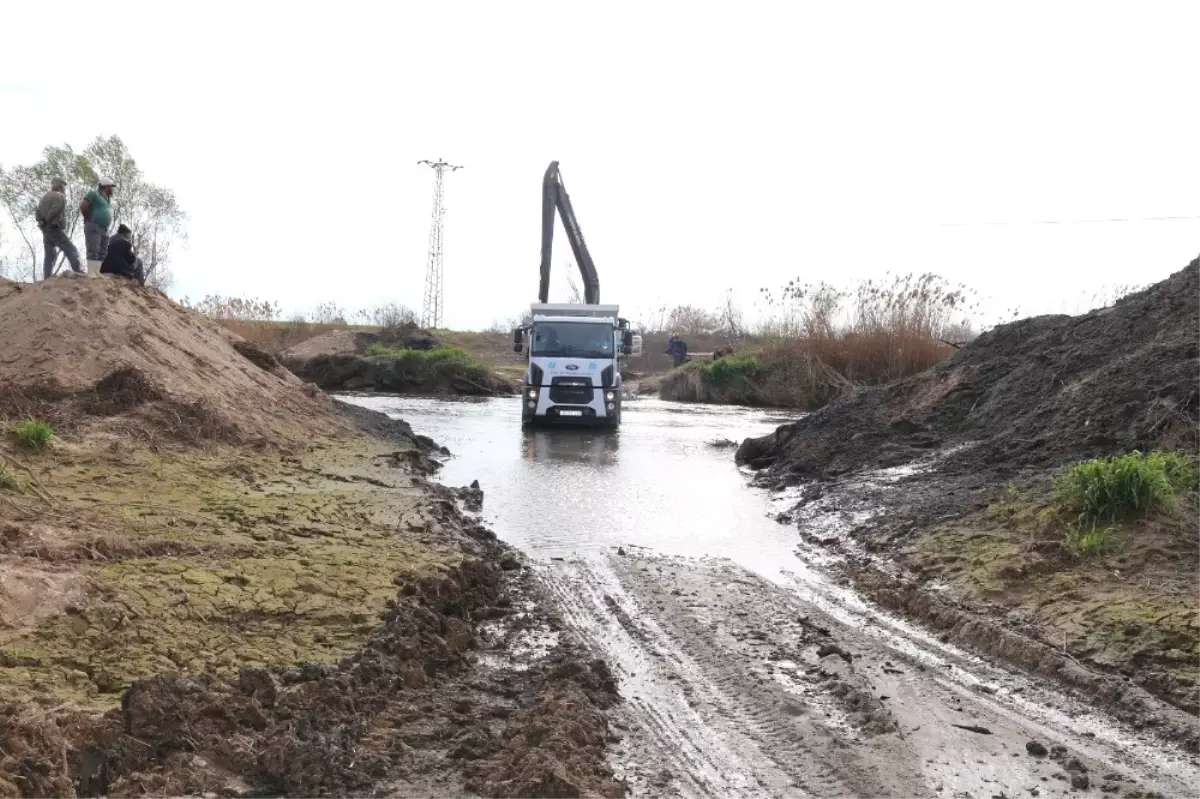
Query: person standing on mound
(96, 210)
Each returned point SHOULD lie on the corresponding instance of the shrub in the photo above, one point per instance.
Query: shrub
(1112, 489)
(32, 433)
(430, 366)
(731, 370)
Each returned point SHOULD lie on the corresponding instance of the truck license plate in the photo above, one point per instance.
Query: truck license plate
(570, 413)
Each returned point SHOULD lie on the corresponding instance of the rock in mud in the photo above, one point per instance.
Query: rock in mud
(826, 650)
(471, 496)
(1036, 749)
(1080, 781)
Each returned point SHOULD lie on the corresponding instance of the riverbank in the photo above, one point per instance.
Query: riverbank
(401, 360)
(218, 580)
(946, 495)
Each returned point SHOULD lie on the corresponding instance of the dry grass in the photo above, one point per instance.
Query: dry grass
(877, 333)
(817, 341)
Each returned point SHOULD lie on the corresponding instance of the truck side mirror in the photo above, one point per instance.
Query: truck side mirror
(516, 339)
(627, 342)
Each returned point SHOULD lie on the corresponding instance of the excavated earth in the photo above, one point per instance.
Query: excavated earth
(214, 580)
(935, 494)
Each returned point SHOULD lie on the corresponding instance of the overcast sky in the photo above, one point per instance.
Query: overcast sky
(706, 146)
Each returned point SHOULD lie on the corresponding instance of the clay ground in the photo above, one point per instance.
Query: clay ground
(333, 612)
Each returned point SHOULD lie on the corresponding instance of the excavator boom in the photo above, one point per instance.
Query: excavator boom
(554, 198)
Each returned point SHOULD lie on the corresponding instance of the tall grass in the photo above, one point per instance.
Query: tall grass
(816, 341)
(876, 333)
(1113, 489)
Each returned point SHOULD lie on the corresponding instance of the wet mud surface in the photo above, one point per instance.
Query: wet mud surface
(736, 686)
(748, 661)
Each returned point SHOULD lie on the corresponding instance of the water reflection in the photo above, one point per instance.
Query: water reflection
(582, 446)
(558, 491)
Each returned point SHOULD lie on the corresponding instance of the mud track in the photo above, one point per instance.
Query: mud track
(736, 686)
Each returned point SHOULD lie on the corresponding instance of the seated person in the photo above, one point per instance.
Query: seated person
(121, 259)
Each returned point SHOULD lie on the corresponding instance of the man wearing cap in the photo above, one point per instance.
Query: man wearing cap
(96, 209)
(121, 259)
(50, 217)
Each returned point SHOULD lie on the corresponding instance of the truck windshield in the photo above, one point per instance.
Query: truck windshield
(573, 340)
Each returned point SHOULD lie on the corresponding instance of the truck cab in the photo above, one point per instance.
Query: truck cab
(575, 354)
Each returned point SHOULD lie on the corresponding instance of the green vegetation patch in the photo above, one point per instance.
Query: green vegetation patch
(235, 560)
(1092, 542)
(33, 433)
(8, 480)
(1117, 488)
(732, 371)
(432, 367)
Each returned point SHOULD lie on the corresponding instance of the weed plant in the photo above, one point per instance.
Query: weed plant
(1113, 489)
(33, 433)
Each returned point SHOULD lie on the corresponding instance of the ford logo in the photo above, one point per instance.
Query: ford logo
(572, 366)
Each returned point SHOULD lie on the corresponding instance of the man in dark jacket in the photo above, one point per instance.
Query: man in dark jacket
(121, 259)
(50, 218)
(677, 349)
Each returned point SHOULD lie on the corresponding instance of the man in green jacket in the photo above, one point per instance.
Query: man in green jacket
(50, 216)
(96, 209)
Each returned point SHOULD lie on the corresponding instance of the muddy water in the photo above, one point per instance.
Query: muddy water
(716, 616)
(657, 483)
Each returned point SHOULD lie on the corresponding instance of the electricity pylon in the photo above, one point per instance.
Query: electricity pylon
(431, 310)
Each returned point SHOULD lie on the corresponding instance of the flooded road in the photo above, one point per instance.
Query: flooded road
(657, 483)
(747, 668)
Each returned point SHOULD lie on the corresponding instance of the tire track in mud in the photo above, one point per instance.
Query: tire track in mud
(703, 706)
(736, 686)
(688, 758)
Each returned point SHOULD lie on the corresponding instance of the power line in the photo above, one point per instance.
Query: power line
(431, 309)
(1071, 221)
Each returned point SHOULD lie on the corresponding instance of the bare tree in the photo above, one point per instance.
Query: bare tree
(151, 211)
(730, 317)
(689, 320)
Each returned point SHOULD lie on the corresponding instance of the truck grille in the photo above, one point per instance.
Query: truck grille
(571, 390)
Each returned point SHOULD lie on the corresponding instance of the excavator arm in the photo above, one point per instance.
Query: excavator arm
(554, 197)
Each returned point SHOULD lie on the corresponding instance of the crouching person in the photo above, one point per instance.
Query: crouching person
(121, 259)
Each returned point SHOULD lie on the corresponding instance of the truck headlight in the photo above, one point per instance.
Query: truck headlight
(531, 404)
(532, 393)
(612, 406)
(610, 396)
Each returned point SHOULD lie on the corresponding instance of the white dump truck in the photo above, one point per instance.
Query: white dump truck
(575, 353)
(575, 350)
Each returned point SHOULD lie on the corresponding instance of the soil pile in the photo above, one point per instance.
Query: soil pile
(989, 429)
(414, 361)
(1039, 391)
(113, 355)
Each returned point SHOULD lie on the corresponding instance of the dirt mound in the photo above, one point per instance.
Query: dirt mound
(350, 342)
(1035, 392)
(111, 355)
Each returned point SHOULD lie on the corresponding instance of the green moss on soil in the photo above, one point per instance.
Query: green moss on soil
(213, 562)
